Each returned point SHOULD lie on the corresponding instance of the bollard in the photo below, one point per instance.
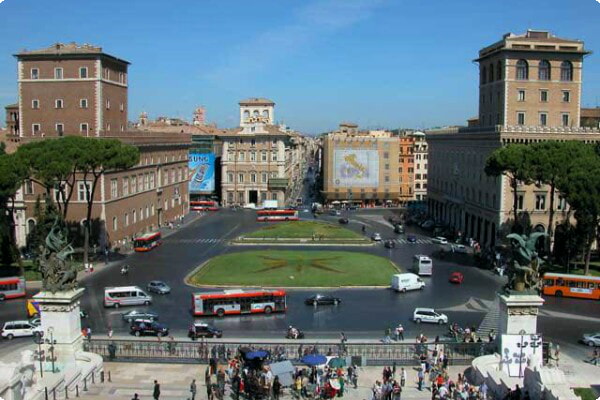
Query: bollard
(109, 377)
(53, 394)
(93, 378)
(85, 384)
(66, 392)
(46, 393)
(101, 376)
(77, 390)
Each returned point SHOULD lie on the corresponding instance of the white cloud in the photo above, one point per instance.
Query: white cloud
(312, 21)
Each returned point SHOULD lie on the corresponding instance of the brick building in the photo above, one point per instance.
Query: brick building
(406, 168)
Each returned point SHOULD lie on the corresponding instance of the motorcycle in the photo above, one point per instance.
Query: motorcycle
(125, 269)
(289, 334)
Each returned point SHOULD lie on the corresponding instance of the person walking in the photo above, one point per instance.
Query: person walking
(402, 377)
(401, 331)
(193, 389)
(595, 357)
(88, 334)
(156, 391)
(276, 388)
(420, 377)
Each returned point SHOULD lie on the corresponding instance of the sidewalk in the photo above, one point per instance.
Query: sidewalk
(101, 265)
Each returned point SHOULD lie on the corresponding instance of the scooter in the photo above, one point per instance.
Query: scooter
(289, 335)
(125, 269)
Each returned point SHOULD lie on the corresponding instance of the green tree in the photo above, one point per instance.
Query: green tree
(552, 161)
(99, 157)
(514, 162)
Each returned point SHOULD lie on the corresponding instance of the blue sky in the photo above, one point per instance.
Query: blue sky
(380, 63)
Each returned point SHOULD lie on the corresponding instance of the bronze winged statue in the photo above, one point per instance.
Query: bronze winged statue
(524, 267)
(57, 275)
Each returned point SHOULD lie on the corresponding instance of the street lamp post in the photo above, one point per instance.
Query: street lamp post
(521, 346)
(39, 353)
(51, 342)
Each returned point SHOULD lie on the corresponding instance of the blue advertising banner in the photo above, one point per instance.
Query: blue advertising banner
(202, 172)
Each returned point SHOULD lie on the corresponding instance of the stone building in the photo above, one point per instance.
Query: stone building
(420, 163)
(361, 167)
(530, 91)
(406, 167)
(70, 89)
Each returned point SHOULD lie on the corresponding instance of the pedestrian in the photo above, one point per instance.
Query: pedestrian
(235, 386)
(491, 336)
(110, 332)
(402, 377)
(156, 391)
(193, 389)
(483, 389)
(135, 397)
(88, 333)
(401, 331)
(420, 377)
(276, 388)
(595, 356)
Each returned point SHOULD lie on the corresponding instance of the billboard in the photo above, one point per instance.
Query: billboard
(355, 168)
(201, 172)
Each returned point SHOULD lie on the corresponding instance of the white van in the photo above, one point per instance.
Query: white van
(125, 296)
(405, 282)
(422, 265)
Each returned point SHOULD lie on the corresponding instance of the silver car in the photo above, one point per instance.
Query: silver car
(376, 237)
(591, 339)
(132, 315)
(158, 287)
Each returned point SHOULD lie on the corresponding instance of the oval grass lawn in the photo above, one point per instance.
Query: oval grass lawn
(295, 268)
(303, 230)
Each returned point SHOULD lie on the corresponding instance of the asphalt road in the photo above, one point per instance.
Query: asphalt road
(363, 313)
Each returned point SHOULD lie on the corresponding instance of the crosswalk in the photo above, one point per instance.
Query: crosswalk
(196, 240)
(419, 241)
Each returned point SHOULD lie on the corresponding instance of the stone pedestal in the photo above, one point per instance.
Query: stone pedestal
(61, 322)
(520, 344)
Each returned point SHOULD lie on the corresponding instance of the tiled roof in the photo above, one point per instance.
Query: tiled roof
(256, 101)
(590, 112)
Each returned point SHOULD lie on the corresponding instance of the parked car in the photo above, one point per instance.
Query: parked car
(376, 237)
(36, 321)
(459, 248)
(142, 327)
(399, 228)
(591, 339)
(427, 225)
(343, 221)
(429, 315)
(132, 315)
(12, 329)
(320, 299)
(201, 329)
(456, 277)
(411, 239)
(158, 287)
(390, 244)
(439, 240)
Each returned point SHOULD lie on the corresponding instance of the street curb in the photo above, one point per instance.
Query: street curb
(236, 243)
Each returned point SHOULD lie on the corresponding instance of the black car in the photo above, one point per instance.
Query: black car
(343, 221)
(141, 327)
(399, 228)
(411, 239)
(320, 299)
(198, 330)
(390, 244)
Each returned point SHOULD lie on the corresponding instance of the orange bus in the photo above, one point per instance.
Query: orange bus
(582, 286)
(276, 215)
(204, 205)
(238, 301)
(147, 242)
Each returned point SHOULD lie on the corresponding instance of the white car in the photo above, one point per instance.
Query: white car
(591, 339)
(439, 240)
(429, 315)
(460, 248)
(376, 237)
(14, 329)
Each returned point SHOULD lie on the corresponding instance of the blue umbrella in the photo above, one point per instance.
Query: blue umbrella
(313, 359)
(256, 354)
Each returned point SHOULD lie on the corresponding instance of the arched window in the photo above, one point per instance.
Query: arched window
(544, 70)
(255, 113)
(491, 79)
(246, 114)
(566, 71)
(522, 70)
(30, 225)
(265, 113)
(483, 75)
(499, 70)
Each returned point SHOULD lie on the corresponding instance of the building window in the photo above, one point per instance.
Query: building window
(114, 191)
(230, 177)
(35, 73)
(241, 178)
(543, 119)
(253, 178)
(483, 75)
(28, 186)
(491, 73)
(83, 189)
(543, 96)
(107, 104)
(544, 72)
(522, 70)
(126, 219)
(521, 118)
(133, 184)
(264, 177)
(84, 128)
(35, 104)
(134, 213)
(122, 107)
(60, 129)
(274, 156)
(521, 95)
(566, 96)
(566, 71)
(126, 186)
(83, 72)
(58, 103)
(83, 103)
(263, 156)
(540, 202)
(108, 127)
(253, 156)
(140, 183)
(386, 155)
(35, 129)
(562, 203)
(499, 70)
(274, 196)
(565, 119)
(58, 73)
(152, 180)
(114, 223)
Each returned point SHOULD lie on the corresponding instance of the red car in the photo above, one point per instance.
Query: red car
(456, 277)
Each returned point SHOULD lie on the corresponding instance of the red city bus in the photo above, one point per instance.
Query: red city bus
(12, 287)
(204, 205)
(238, 301)
(147, 241)
(582, 286)
(276, 215)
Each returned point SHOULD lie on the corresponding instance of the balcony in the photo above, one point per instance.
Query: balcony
(277, 183)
